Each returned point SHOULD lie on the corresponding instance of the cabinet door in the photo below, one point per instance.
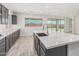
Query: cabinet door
(18, 34)
(34, 41)
(10, 38)
(42, 53)
(13, 37)
(14, 19)
(4, 15)
(7, 40)
(2, 47)
(36, 44)
(42, 49)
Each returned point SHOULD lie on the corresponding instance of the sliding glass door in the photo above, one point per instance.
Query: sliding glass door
(51, 25)
(60, 25)
(55, 25)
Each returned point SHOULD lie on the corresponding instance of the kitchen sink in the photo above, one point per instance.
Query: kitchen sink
(42, 34)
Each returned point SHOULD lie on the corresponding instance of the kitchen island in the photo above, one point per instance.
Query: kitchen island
(56, 44)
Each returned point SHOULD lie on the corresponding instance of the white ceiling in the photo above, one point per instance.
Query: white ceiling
(44, 8)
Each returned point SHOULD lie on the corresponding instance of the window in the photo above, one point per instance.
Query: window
(60, 25)
(34, 22)
(51, 24)
(51, 21)
(56, 25)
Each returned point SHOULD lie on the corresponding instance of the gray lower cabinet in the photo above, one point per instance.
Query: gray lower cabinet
(15, 36)
(18, 33)
(2, 47)
(9, 41)
(36, 44)
(42, 51)
(57, 51)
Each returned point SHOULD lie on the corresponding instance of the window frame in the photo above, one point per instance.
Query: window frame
(58, 25)
(33, 25)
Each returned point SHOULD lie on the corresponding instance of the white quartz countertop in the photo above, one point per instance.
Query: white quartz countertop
(7, 31)
(56, 39)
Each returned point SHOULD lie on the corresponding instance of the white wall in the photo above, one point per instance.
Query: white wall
(68, 25)
(73, 49)
(25, 31)
(76, 24)
(10, 12)
(29, 31)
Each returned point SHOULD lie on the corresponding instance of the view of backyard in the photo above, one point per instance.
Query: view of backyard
(56, 25)
(53, 25)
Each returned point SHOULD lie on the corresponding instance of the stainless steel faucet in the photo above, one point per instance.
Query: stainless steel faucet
(46, 28)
